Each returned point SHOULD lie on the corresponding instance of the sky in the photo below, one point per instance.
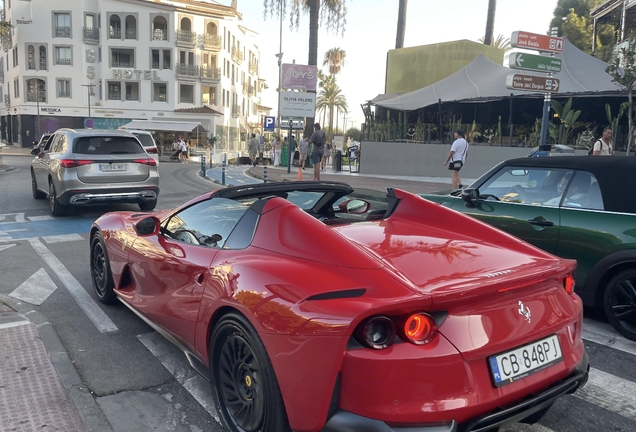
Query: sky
(370, 33)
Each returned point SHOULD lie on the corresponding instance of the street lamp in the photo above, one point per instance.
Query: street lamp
(89, 87)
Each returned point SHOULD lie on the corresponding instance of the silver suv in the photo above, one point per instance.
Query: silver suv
(94, 166)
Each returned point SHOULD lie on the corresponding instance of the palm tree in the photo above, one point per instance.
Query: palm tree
(401, 25)
(333, 15)
(501, 42)
(330, 96)
(490, 21)
(335, 59)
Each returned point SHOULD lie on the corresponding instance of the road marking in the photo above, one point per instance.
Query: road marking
(36, 289)
(5, 247)
(610, 392)
(77, 291)
(605, 334)
(14, 324)
(522, 427)
(62, 238)
(17, 217)
(40, 218)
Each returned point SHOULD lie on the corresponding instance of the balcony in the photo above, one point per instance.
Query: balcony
(7, 100)
(31, 65)
(123, 64)
(42, 64)
(236, 111)
(213, 73)
(114, 95)
(253, 68)
(63, 61)
(212, 42)
(159, 34)
(115, 33)
(131, 34)
(155, 65)
(91, 34)
(187, 69)
(32, 97)
(202, 72)
(245, 87)
(186, 38)
(1, 77)
(63, 32)
(237, 55)
(251, 91)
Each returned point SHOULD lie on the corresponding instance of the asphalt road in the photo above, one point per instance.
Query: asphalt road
(142, 383)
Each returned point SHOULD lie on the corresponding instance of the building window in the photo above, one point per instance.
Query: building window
(14, 51)
(63, 56)
(114, 27)
(31, 57)
(63, 88)
(91, 31)
(63, 25)
(186, 93)
(121, 57)
(131, 27)
(159, 92)
(167, 61)
(114, 91)
(43, 64)
(154, 64)
(16, 88)
(209, 95)
(159, 28)
(132, 91)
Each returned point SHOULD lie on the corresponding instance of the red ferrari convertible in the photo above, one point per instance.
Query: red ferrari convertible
(310, 306)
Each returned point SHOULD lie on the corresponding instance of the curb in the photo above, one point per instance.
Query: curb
(88, 409)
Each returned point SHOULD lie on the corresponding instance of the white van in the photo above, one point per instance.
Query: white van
(147, 141)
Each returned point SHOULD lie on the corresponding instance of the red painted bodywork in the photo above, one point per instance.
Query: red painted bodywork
(423, 257)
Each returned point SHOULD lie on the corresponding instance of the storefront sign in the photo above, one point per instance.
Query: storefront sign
(297, 104)
(299, 77)
(138, 74)
(50, 110)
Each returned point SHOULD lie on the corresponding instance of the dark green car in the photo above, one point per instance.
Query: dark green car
(577, 207)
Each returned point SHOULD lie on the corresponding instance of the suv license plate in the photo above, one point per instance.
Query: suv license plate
(523, 361)
(113, 167)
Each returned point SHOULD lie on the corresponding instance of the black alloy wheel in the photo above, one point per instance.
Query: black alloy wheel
(620, 303)
(57, 209)
(100, 270)
(37, 194)
(244, 385)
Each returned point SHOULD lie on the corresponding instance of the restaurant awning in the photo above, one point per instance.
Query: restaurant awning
(155, 125)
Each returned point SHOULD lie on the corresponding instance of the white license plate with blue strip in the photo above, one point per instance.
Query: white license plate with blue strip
(513, 365)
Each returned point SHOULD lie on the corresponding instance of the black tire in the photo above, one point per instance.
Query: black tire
(37, 194)
(619, 303)
(100, 270)
(244, 386)
(57, 209)
(148, 205)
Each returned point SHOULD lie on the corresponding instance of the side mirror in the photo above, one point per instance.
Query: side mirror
(471, 196)
(148, 226)
(35, 151)
(354, 206)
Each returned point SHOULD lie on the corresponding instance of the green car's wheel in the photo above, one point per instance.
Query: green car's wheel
(619, 302)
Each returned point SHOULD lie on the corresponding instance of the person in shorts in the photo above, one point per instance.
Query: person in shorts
(457, 157)
(318, 139)
(253, 149)
(304, 151)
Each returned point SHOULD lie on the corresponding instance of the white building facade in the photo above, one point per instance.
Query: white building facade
(177, 61)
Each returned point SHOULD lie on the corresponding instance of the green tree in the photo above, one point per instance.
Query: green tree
(335, 59)
(5, 35)
(401, 24)
(331, 13)
(572, 18)
(353, 133)
(568, 118)
(490, 22)
(623, 72)
(331, 96)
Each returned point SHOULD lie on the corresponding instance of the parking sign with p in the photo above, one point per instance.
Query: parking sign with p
(269, 123)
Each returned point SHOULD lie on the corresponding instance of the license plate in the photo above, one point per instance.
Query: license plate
(513, 365)
(113, 167)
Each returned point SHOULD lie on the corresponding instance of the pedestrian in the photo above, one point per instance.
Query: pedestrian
(318, 139)
(292, 149)
(175, 150)
(184, 150)
(283, 145)
(277, 147)
(325, 157)
(457, 157)
(253, 149)
(304, 150)
(603, 147)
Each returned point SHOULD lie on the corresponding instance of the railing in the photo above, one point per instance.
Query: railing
(251, 91)
(186, 99)
(245, 87)
(115, 33)
(42, 64)
(2, 77)
(237, 55)
(63, 32)
(159, 34)
(187, 69)
(160, 98)
(114, 96)
(253, 68)
(130, 97)
(155, 65)
(198, 71)
(211, 41)
(131, 34)
(91, 33)
(166, 65)
(122, 64)
(63, 61)
(236, 111)
(207, 72)
(7, 99)
(31, 65)
(33, 97)
(186, 36)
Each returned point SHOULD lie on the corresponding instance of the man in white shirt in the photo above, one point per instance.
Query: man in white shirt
(457, 157)
(603, 147)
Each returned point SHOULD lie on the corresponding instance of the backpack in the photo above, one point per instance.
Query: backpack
(591, 151)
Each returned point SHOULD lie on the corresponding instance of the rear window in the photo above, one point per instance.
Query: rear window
(101, 145)
(146, 140)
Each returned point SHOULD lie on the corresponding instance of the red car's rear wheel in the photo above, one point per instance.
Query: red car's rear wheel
(244, 385)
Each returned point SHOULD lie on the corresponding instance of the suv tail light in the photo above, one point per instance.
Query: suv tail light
(72, 163)
(150, 161)
(152, 150)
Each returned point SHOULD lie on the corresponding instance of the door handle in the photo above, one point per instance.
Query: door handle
(540, 221)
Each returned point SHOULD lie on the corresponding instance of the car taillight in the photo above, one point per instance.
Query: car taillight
(149, 161)
(72, 163)
(568, 284)
(419, 328)
(377, 332)
(152, 150)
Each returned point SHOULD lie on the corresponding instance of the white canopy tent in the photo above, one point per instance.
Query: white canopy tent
(166, 126)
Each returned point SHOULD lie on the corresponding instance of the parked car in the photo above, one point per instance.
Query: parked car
(577, 207)
(79, 167)
(147, 141)
(310, 308)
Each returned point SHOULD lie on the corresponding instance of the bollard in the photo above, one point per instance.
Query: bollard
(203, 166)
(223, 171)
(211, 159)
(265, 174)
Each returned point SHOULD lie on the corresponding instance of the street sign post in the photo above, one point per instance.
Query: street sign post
(533, 41)
(534, 62)
(533, 83)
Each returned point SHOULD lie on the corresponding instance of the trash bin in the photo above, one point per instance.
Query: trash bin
(336, 163)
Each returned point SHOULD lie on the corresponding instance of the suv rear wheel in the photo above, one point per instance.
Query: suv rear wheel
(57, 209)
